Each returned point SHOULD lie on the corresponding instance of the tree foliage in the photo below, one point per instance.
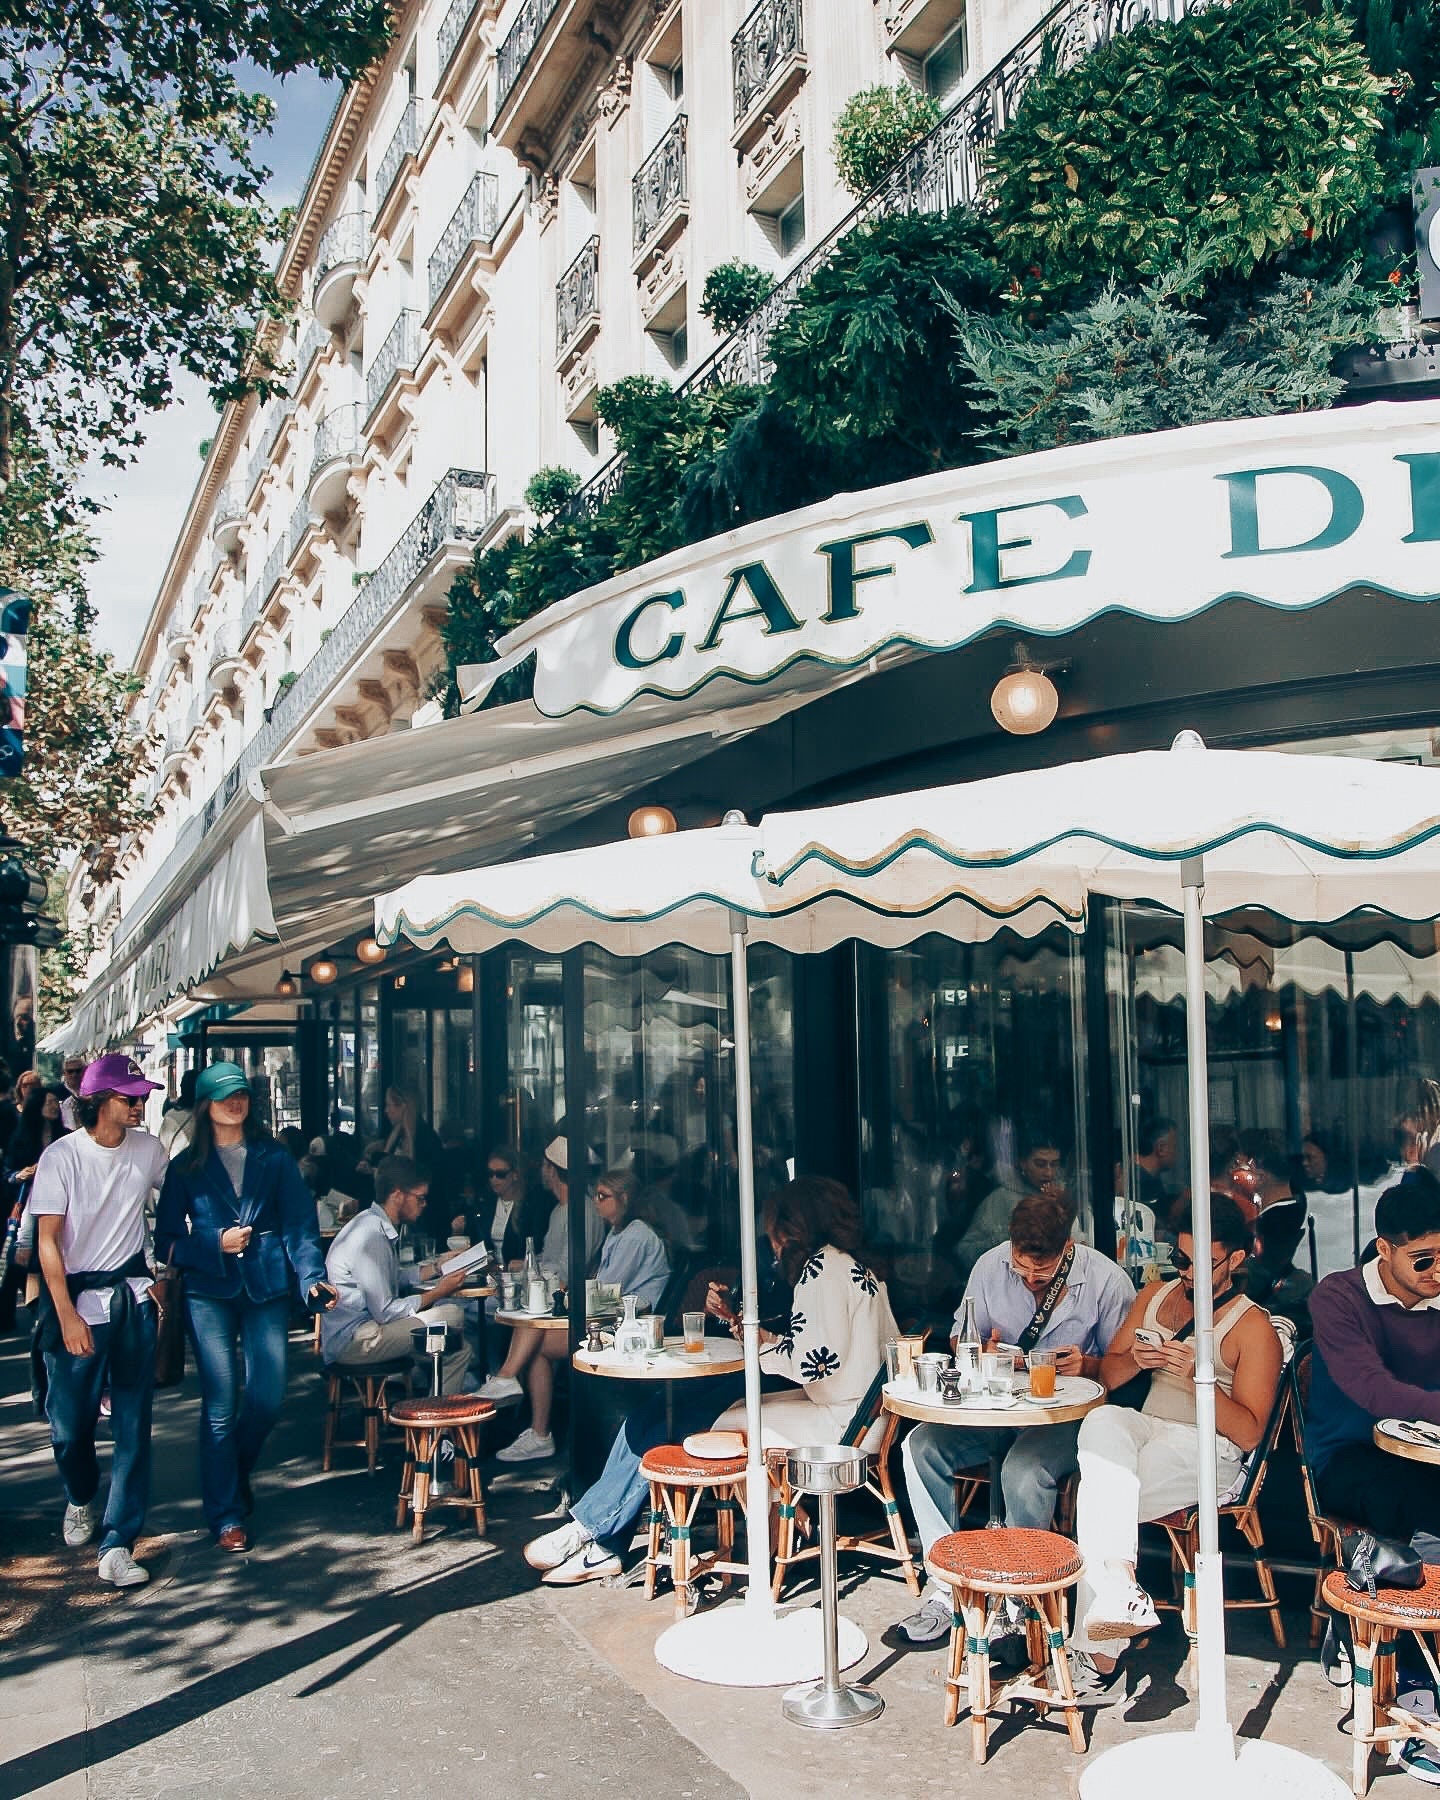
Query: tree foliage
(1213, 142)
(1402, 45)
(733, 290)
(874, 129)
(134, 236)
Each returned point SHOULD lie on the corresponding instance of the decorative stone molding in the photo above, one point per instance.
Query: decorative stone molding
(400, 668)
(376, 694)
(781, 137)
(577, 381)
(665, 274)
(614, 97)
(351, 719)
(545, 201)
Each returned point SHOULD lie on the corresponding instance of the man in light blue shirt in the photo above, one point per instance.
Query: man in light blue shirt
(1008, 1286)
(378, 1305)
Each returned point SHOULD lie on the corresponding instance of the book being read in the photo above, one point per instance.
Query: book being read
(465, 1259)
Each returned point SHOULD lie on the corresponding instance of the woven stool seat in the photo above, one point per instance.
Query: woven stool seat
(1011, 1557)
(446, 1409)
(1413, 1609)
(673, 1463)
(401, 1365)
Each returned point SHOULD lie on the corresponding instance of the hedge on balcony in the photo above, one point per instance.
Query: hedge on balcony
(1178, 233)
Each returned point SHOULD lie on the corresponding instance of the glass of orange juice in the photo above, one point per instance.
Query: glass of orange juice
(1042, 1374)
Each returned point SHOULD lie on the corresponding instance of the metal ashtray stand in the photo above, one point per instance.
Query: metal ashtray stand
(827, 1470)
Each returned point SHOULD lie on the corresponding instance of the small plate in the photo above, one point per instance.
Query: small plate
(1412, 1431)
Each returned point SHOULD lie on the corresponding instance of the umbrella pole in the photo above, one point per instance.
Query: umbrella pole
(757, 1486)
(1214, 1720)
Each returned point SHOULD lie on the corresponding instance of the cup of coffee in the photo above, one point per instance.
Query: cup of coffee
(457, 1243)
(1042, 1374)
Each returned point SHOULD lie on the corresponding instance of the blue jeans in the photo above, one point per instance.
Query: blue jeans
(610, 1506)
(72, 1405)
(233, 1431)
(1037, 1460)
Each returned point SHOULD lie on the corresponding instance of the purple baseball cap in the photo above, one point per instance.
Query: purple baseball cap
(116, 1074)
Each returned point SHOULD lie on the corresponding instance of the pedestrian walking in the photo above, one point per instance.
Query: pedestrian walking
(98, 1313)
(236, 1217)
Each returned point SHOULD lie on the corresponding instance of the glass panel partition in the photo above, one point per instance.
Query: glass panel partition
(534, 1098)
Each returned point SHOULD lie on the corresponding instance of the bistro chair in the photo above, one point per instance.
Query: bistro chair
(872, 1429)
(424, 1422)
(679, 1485)
(1182, 1528)
(1375, 1626)
(983, 1570)
(1326, 1531)
(370, 1386)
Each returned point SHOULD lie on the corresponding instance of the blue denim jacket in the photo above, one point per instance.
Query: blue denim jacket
(197, 1205)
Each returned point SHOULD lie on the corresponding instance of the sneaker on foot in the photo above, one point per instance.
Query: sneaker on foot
(1123, 1612)
(121, 1570)
(557, 1546)
(593, 1563)
(501, 1387)
(1095, 1686)
(79, 1526)
(528, 1447)
(1420, 1760)
(928, 1627)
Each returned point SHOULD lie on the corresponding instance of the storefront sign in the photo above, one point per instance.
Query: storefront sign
(1287, 511)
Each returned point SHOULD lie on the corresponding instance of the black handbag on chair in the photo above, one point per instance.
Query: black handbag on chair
(1374, 1562)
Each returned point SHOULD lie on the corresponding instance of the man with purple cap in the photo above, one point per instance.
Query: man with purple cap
(98, 1314)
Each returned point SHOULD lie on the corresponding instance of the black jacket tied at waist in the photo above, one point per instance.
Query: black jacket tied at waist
(132, 1332)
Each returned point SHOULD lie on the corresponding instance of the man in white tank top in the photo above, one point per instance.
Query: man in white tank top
(1137, 1466)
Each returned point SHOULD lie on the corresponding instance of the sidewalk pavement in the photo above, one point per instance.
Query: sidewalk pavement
(337, 1659)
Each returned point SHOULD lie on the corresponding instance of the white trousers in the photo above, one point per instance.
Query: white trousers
(1133, 1468)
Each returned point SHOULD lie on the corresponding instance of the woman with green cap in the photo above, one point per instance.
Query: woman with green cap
(236, 1216)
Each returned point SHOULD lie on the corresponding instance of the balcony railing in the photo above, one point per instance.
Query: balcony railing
(298, 526)
(660, 184)
(577, 294)
(316, 337)
(770, 34)
(519, 46)
(474, 221)
(400, 351)
(346, 241)
(405, 142)
(942, 171)
(338, 436)
(229, 505)
(272, 424)
(452, 31)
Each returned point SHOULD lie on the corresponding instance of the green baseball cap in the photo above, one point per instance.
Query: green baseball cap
(221, 1080)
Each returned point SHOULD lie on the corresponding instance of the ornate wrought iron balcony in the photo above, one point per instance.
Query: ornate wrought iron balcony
(452, 31)
(338, 436)
(770, 34)
(405, 142)
(298, 526)
(660, 184)
(400, 351)
(473, 222)
(577, 294)
(346, 241)
(272, 423)
(229, 506)
(316, 337)
(519, 46)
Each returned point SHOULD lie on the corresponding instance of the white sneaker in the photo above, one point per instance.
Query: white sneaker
(557, 1546)
(501, 1387)
(1121, 1612)
(593, 1563)
(121, 1570)
(79, 1526)
(528, 1447)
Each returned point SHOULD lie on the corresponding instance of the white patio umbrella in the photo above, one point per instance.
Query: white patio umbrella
(1315, 839)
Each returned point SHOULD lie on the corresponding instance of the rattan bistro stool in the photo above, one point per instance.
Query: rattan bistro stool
(982, 1569)
(679, 1483)
(423, 1422)
(1375, 1626)
(369, 1384)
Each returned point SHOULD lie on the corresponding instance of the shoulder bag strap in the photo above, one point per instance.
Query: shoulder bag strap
(1049, 1300)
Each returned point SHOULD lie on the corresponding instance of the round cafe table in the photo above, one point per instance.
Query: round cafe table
(541, 1321)
(722, 1356)
(1393, 1435)
(1075, 1395)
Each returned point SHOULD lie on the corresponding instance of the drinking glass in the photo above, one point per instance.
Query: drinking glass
(1042, 1374)
(995, 1373)
(694, 1324)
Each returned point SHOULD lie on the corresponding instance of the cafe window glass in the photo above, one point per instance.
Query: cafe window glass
(367, 1064)
(452, 1073)
(971, 1094)
(659, 1036)
(534, 1099)
(408, 1060)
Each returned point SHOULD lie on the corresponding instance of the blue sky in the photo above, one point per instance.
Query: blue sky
(146, 502)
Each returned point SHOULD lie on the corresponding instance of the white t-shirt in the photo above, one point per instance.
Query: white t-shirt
(101, 1196)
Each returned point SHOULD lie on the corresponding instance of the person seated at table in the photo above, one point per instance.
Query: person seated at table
(510, 1209)
(1039, 1169)
(378, 1305)
(1376, 1356)
(1041, 1291)
(831, 1349)
(632, 1258)
(1136, 1466)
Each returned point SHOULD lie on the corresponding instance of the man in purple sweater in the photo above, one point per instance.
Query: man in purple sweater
(1377, 1356)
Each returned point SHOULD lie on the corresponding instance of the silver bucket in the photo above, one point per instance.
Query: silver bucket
(826, 1468)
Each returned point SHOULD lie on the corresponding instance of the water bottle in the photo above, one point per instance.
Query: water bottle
(967, 1348)
(537, 1294)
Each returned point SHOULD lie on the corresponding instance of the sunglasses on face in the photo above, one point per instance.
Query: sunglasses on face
(1186, 1263)
(1424, 1260)
(499, 1174)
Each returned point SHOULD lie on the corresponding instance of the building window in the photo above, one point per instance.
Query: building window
(674, 346)
(943, 70)
(790, 227)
